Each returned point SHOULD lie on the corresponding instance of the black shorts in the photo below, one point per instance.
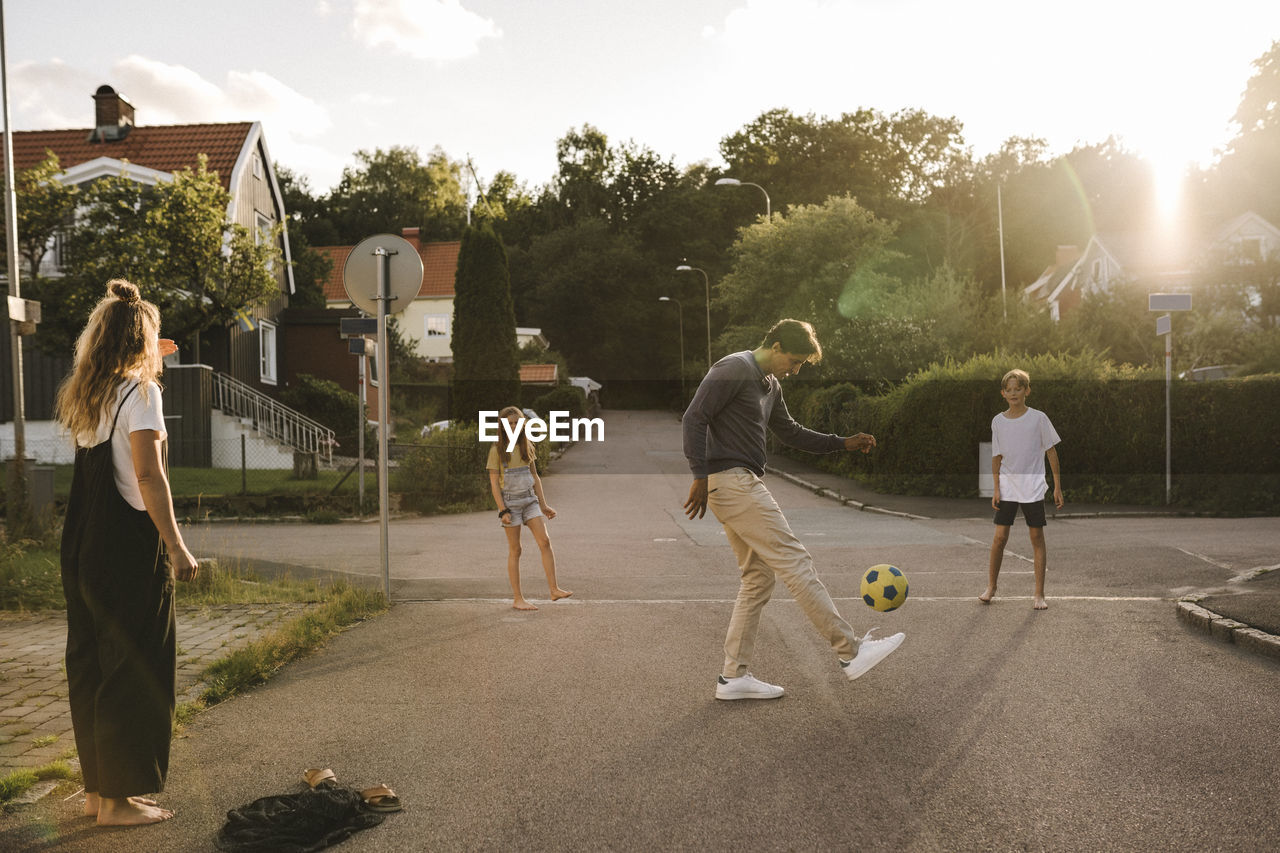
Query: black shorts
(1032, 513)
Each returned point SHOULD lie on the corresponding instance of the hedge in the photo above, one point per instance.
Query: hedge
(1226, 453)
(447, 469)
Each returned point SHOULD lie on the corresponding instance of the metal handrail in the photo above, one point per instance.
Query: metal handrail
(271, 418)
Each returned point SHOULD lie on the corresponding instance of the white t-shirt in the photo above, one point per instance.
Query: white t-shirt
(137, 414)
(1021, 443)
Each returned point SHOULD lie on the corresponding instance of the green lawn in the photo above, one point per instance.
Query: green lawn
(189, 482)
(30, 579)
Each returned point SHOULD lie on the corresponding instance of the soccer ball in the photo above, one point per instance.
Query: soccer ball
(884, 587)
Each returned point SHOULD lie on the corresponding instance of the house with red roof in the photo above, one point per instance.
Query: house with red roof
(228, 392)
(428, 319)
(236, 152)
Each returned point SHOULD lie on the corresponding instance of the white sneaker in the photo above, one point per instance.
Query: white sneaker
(870, 653)
(746, 687)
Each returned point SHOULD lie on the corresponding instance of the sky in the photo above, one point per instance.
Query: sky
(502, 80)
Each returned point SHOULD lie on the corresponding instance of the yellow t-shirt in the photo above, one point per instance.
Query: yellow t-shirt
(495, 463)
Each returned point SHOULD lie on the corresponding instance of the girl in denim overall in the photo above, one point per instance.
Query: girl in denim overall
(517, 490)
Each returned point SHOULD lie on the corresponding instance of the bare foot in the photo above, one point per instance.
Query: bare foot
(557, 594)
(986, 597)
(92, 802)
(1041, 604)
(124, 811)
(523, 605)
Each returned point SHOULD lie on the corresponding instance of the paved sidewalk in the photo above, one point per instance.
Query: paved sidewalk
(35, 720)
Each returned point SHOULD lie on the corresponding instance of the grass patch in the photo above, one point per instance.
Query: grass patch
(343, 606)
(189, 482)
(45, 740)
(30, 579)
(20, 781)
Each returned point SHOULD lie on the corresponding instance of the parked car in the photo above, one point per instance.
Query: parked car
(433, 427)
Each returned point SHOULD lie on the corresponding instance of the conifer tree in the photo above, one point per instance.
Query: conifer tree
(486, 364)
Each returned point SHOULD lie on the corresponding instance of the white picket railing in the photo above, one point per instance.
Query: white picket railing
(271, 418)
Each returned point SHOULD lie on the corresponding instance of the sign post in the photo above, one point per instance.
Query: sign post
(1164, 326)
(382, 275)
(359, 331)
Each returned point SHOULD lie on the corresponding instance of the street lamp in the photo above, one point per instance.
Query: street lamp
(734, 182)
(680, 316)
(707, 283)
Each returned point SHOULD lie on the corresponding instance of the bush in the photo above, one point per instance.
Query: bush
(565, 398)
(325, 401)
(447, 468)
(1111, 419)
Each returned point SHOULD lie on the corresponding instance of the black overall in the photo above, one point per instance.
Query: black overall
(121, 651)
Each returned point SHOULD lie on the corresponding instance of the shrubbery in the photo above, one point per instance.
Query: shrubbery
(447, 468)
(1111, 419)
(325, 401)
(564, 398)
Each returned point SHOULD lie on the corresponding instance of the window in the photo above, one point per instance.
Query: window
(1251, 248)
(267, 352)
(257, 166)
(437, 325)
(263, 231)
(1097, 270)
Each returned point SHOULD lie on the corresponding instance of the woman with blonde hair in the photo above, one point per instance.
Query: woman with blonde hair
(120, 527)
(517, 490)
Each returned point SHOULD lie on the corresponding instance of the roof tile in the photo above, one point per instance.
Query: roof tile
(166, 148)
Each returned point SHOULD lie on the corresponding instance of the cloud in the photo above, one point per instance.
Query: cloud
(439, 30)
(52, 95)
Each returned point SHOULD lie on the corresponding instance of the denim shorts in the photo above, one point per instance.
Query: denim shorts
(523, 505)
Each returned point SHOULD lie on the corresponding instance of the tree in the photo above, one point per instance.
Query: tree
(886, 162)
(596, 298)
(1248, 174)
(394, 189)
(173, 240)
(486, 366)
(45, 206)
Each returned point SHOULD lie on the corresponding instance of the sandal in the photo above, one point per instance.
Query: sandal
(316, 778)
(381, 799)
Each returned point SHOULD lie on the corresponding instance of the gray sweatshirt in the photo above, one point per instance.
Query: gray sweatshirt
(724, 426)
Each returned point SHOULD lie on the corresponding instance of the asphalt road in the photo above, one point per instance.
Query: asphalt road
(1100, 724)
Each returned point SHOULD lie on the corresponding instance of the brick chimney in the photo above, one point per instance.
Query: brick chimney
(411, 234)
(113, 116)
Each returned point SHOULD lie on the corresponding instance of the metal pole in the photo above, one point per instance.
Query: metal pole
(1168, 448)
(244, 468)
(360, 422)
(707, 283)
(384, 417)
(680, 316)
(18, 477)
(1000, 225)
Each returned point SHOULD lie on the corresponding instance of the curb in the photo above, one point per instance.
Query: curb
(1228, 630)
(824, 492)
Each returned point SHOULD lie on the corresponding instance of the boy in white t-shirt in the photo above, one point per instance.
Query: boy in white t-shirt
(1021, 437)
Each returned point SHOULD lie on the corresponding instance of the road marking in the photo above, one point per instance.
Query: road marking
(1208, 560)
(582, 601)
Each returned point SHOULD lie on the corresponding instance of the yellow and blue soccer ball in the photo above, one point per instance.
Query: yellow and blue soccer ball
(884, 587)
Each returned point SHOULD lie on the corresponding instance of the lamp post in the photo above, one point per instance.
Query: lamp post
(684, 267)
(680, 317)
(734, 182)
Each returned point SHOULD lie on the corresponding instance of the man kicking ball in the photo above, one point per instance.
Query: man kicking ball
(724, 441)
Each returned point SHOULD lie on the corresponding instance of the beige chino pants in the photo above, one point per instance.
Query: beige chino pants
(767, 550)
